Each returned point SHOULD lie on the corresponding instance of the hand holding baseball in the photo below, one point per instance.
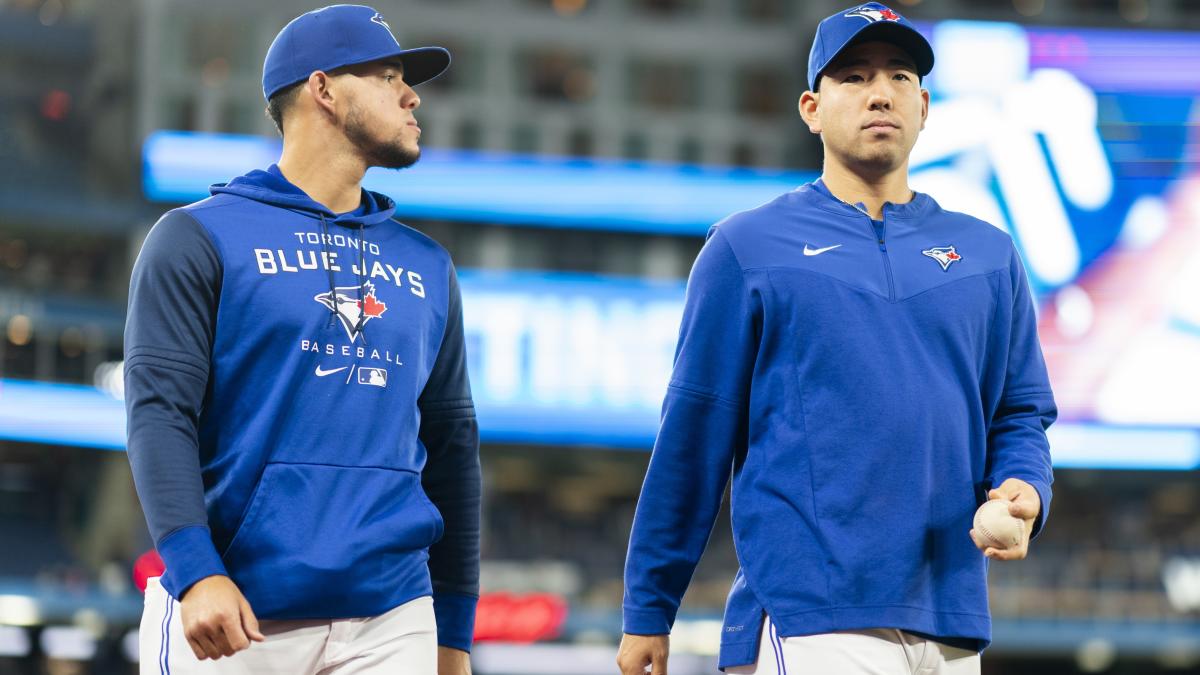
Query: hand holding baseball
(996, 537)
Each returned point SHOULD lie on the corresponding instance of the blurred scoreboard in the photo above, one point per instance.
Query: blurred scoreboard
(1078, 142)
(1082, 144)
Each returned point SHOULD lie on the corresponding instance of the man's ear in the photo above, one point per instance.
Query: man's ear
(809, 102)
(317, 88)
(924, 107)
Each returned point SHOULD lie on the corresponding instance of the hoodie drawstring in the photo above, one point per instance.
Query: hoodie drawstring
(360, 326)
(328, 268)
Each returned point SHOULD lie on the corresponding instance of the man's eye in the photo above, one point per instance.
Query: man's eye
(389, 78)
(902, 76)
(853, 78)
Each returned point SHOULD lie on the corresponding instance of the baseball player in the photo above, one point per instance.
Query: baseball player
(866, 366)
(301, 428)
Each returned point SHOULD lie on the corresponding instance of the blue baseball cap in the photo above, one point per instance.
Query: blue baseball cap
(865, 23)
(342, 35)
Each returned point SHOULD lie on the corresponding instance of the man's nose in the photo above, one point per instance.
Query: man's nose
(879, 100)
(410, 100)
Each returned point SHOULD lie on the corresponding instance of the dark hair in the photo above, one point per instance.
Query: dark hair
(279, 103)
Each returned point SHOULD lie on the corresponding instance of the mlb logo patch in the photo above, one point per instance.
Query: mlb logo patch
(375, 377)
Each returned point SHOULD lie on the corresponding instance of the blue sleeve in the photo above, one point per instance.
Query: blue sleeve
(173, 297)
(703, 428)
(1017, 444)
(453, 482)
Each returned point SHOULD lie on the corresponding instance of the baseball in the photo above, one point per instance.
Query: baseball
(996, 527)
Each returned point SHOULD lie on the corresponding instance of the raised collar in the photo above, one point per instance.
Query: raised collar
(818, 194)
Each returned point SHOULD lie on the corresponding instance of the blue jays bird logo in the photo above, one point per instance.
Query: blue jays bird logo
(944, 255)
(344, 300)
(378, 18)
(874, 12)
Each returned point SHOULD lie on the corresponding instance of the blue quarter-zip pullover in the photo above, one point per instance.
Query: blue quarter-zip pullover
(863, 382)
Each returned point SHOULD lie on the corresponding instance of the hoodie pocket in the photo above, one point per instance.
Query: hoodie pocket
(321, 540)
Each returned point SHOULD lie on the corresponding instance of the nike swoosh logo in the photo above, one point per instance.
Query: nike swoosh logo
(818, 251)
(323, 373)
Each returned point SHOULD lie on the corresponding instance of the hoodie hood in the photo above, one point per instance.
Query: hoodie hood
(271, 187)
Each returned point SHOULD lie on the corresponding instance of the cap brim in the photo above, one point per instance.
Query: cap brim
(423, 64)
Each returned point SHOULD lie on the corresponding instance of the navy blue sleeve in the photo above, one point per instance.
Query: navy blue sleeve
(1017, 443)
(173, 297)
(453, 482)
(705, 417)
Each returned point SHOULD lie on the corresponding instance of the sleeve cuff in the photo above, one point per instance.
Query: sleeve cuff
(646, 622)
(189, 555)
(455, 615)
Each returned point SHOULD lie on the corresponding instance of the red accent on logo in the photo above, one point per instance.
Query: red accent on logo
(953, 256)
(371, 307)
(889, 14)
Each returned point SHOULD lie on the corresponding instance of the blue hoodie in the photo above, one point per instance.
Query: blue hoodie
(864, 382)
(299, 412)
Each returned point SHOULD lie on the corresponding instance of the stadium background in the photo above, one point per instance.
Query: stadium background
(575, 154)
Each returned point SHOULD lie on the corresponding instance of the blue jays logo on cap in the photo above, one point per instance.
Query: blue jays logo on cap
(871, 14)
(378, 18)
(866, 22)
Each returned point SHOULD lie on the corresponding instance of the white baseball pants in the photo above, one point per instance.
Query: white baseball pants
(880, 651)
(401, 641)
